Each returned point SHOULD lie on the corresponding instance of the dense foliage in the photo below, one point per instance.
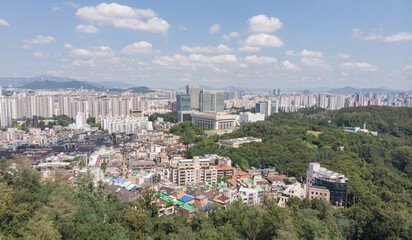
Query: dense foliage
(188, 132)
(378, 168)
(167, 117)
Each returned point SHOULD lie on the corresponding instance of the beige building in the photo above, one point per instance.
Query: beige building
(319, 192)
(196, 170)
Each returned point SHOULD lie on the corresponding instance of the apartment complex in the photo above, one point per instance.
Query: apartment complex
(196, 170)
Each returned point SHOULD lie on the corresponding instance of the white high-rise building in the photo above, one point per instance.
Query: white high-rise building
(5, 114)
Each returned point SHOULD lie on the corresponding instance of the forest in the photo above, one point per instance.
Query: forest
(379, 169)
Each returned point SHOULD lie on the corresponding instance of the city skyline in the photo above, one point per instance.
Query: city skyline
(262, 44)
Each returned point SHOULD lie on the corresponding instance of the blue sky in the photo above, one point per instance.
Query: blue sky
(269, 44)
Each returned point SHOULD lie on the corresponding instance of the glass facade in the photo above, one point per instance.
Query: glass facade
(338, 191)
(183, 102)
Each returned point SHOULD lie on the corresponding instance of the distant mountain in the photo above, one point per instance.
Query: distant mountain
(140, 90)
(46, 84)
(111, 84)
(19, 82)
(351, 90)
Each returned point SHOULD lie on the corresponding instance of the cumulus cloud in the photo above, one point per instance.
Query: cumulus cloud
(401, 36)
(259, 59)
(314, 62)
(343, 55)
(215, 28)
(4, 22)
(100, 54)
(122, 16)
(263, 40)
(207, 49)
(137, 48)
(84, 63)
(263, 24)
(68, 46)
(362, 66)
(289, 66)
(304, 53)
(86, 28)
(249, 49)
(195, 60)
(56, 9)
(25, 46)
(227, 37)
(38, 54)
(40, 39)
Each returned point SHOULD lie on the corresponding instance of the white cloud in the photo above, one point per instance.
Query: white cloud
(122, 16)
(137, 48)
(314, 62)
(84, 63)
(362, 66)
(263, 40)
(4, 22)
(86, 28)
(289, 66)
(408, 67)
(25, 46)
(249, 49)
(93, 52)
(207, 49)
(344, 74)
(343, 55)
(304, 53)
(259, 59)
(195, 60)
(227, 37)
(40, 40)
(402, 36)
(215, 28)
(71, 4)
(38, 54)
(68, 46)
(263, 24)
(56, 9)
(181, 27)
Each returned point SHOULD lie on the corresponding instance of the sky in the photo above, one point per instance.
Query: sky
(254, 44)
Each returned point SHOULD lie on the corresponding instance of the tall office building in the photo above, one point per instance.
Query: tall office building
(266, 108)
(183, 102)
(193, 91)
(336, 183)
(211, 101)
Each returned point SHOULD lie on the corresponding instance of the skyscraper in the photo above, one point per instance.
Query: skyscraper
(5, 114)
(193, 91)
(183, 102)
(211, 101)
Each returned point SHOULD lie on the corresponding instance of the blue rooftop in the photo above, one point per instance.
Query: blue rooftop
(207, 206)
(120, 180)
(186, 198)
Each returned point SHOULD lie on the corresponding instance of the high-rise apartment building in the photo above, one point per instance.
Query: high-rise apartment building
(5, 114)
(193, 91)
